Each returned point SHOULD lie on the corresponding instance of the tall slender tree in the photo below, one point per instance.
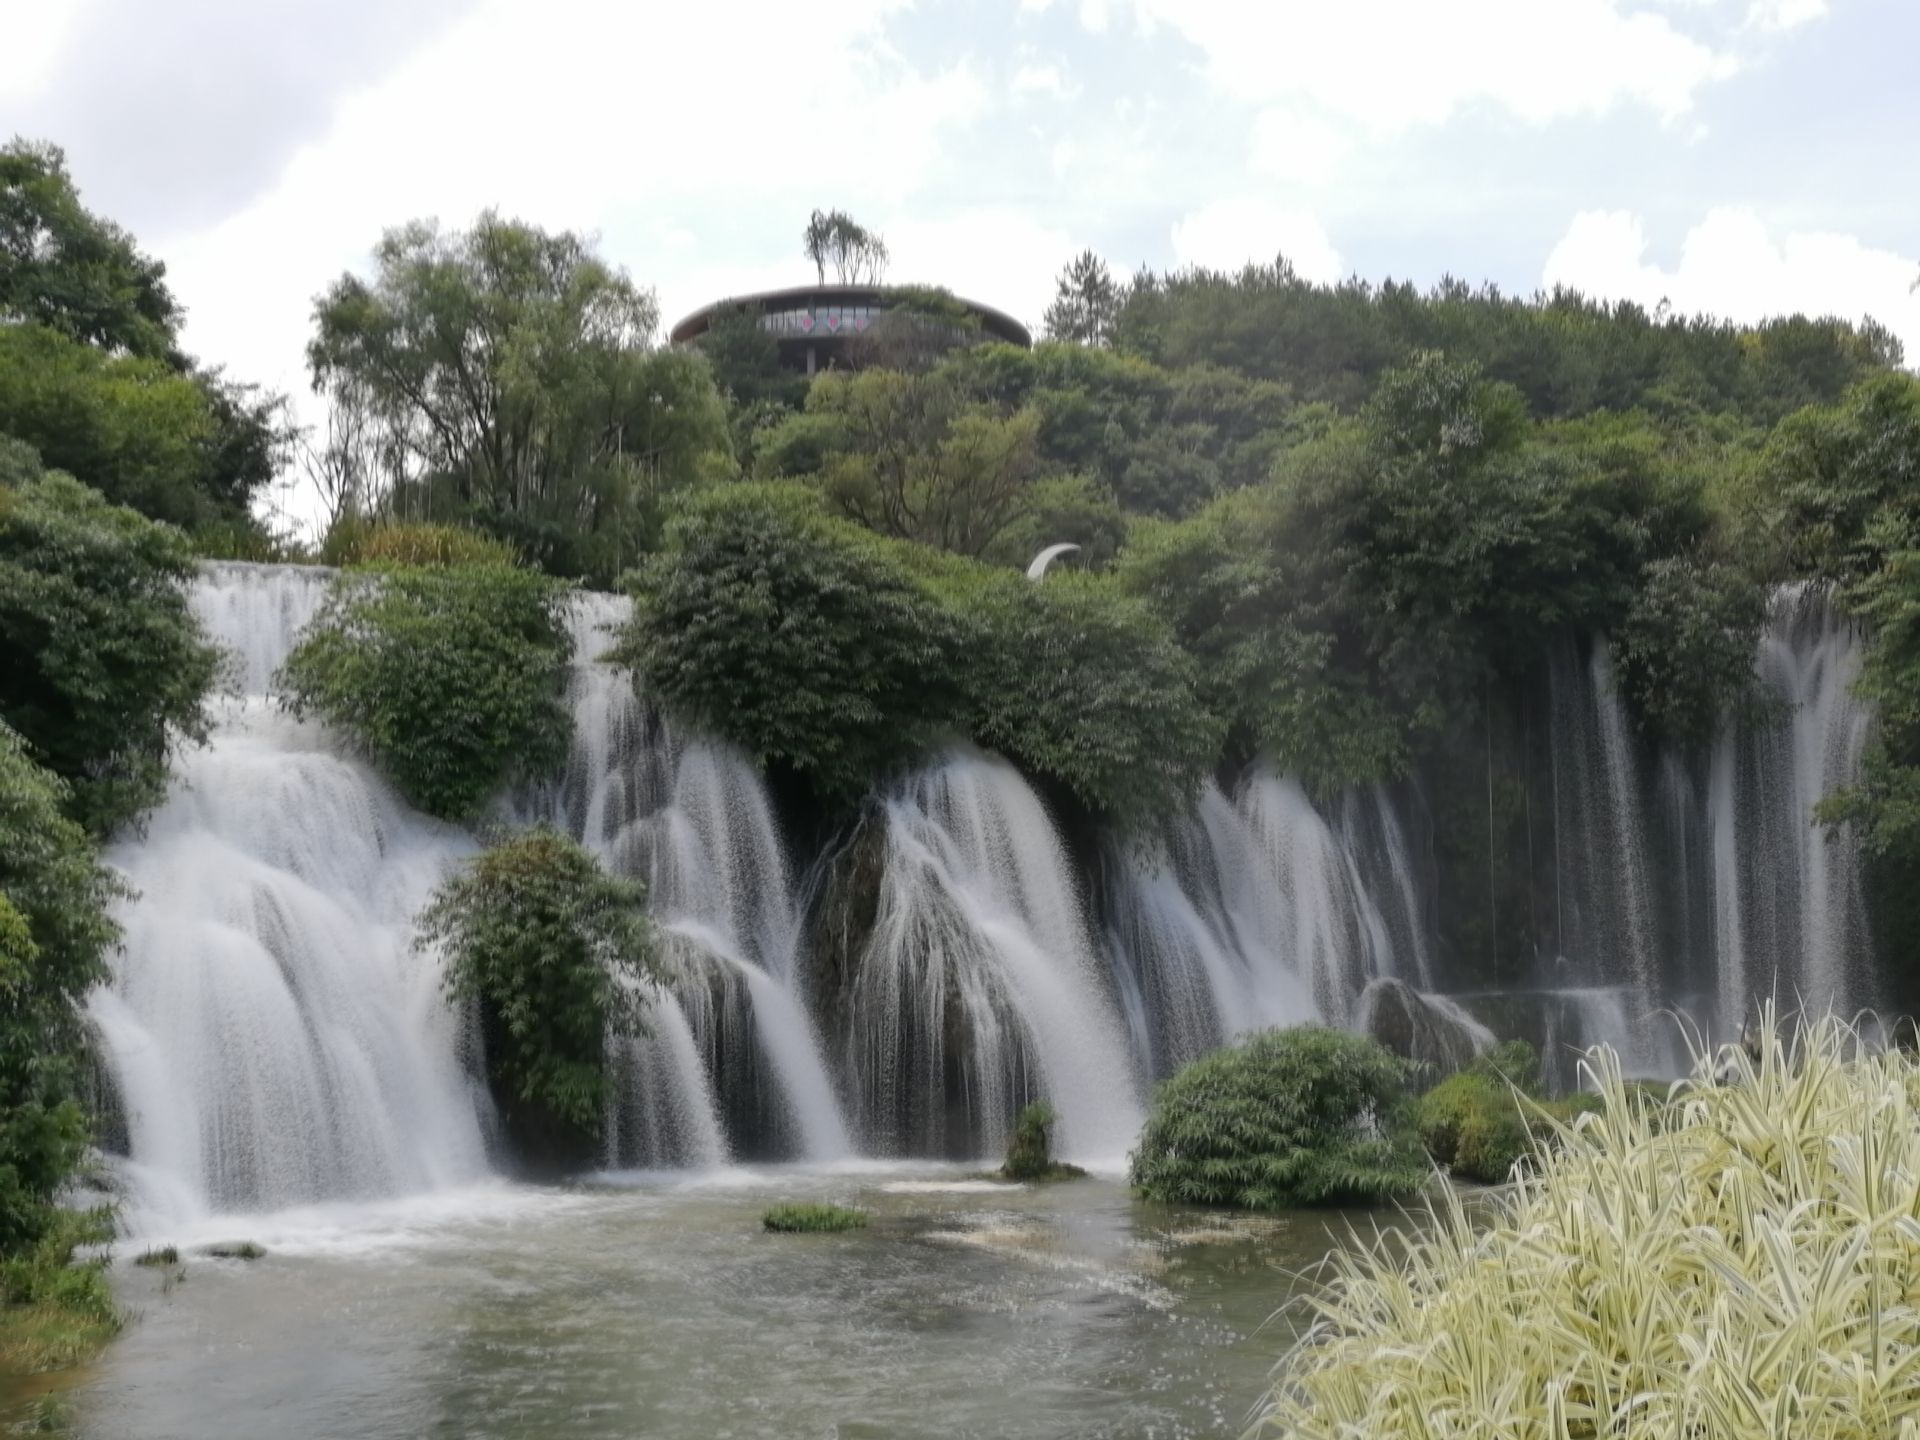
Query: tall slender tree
(1086, 301)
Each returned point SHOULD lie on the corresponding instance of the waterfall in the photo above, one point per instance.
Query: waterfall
(1193, 936)
(1605, 923)
(692, 818)
(1320, 913)
(1789, 908)
(978, 987)
(268, 1035)
(1372, 833)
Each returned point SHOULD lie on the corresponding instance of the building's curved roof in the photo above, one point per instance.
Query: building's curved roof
(997, 323)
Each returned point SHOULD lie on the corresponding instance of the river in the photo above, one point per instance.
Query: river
(657, 1305)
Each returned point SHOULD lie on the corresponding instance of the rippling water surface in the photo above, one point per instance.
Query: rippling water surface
(655, 1305)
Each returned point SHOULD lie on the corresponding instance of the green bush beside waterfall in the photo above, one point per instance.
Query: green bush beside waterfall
(449, 677)
(55, 935)
(105, 667)
(816, 645)
(1285, 1118)
(556, 956)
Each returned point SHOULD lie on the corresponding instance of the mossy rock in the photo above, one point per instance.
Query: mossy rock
(813, 1219)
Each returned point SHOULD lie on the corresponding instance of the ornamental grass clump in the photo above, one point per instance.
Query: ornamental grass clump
(1738, 1259)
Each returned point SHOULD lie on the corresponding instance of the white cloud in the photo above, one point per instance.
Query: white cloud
(1292, 144)
(1732, 266)
(1229, 233)
(1387, 65)
(507, 109)
(1042, 80)
(1784, 14)
(35, 31)
(996, 255)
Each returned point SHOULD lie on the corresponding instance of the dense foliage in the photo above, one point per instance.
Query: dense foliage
(556, 956)
(91, 372)
(1841, 485)
(55, 935)
(1283, 1119)
(1567, 354)
(1729, 1261)
(799, 639)
(1482, 1121)
(1400, 563)
(1080, 684)
(106, 665)
(503, 375)
(449, 678)
(813, 644)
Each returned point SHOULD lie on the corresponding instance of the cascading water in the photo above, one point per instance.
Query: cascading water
(268, 1034)
(1605, 918)
(269, 1037)
(1789, 908)
(1243, 916)
(978, 987)
(1323, 915)
(731, 1041)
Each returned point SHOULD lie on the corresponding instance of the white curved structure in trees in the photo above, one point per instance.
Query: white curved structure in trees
(1038, 569)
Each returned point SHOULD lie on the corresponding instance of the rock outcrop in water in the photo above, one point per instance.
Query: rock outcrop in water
(1430, 1030)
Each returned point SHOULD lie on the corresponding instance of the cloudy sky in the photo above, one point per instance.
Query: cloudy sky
(1740, 156)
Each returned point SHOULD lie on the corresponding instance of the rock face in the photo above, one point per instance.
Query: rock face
(1429, 1029)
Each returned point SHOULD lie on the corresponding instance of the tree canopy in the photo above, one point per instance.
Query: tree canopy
(506, 376)
(107, 666)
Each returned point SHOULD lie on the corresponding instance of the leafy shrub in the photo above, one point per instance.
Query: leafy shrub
(1484, 1120)
(55, 934)
(1076, 681)
(555, 954)
(1307, 1116)
(354, 541)
(1030, 1151)
(1728, 1261)
(811, 642)
(55, 1313)
(105, 661)
(795, 636)
(450, 679)
(813, 1219)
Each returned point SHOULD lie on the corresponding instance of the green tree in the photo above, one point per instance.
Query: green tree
(557, 956)
(55, 936)
(71, 271)
(91, 372)
(798, 637)
(108, 666)
(507, 374)
(833, 237)
(1081, 684)
(920, 463)
(133, 428)
(450, 679)
(1085, 302)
